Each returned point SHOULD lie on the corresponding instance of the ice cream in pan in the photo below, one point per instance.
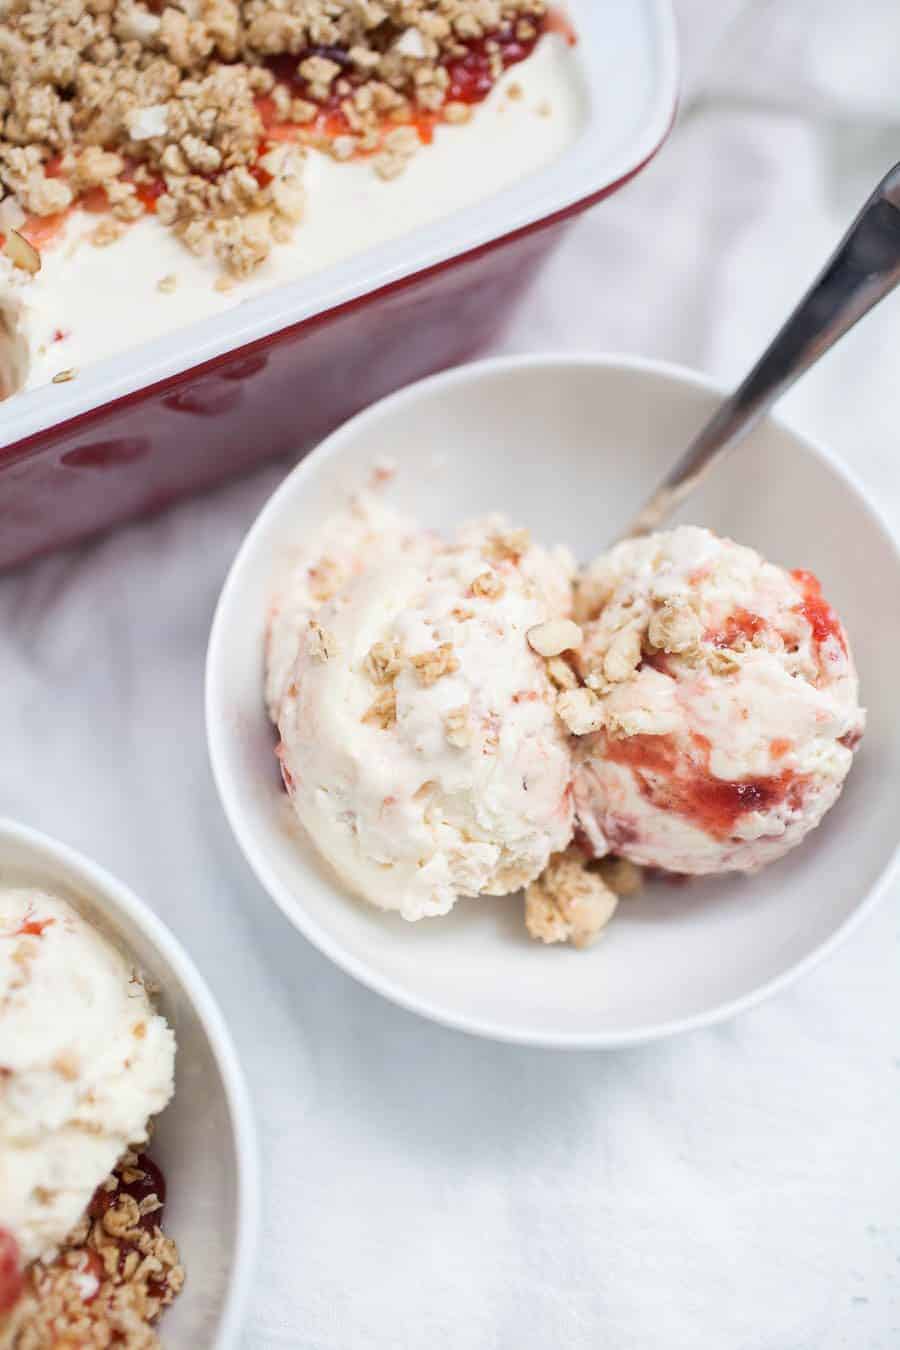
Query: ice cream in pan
(442, 709)
(193, 156)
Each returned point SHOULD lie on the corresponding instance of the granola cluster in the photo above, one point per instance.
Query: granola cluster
(384, 663)
(201, 109)
(573, 900)
(621, 636)
(113, 1278)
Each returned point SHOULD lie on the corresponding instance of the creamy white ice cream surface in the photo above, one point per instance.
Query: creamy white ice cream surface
(365, 534)
(85, 1061)
(722, 711)
(419, 742)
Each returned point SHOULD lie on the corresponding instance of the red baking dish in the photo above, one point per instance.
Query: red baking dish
(270, 376)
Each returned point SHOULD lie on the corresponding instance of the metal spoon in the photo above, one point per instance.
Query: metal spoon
(863, 269)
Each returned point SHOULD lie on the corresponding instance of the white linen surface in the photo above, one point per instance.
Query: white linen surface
(738, 1187)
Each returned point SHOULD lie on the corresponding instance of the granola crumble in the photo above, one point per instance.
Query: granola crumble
(568, 903)
(113, 1277)
(580, 710)
(434, 665)
(488, 586)
(624, 655)
(554, 637)
(574, 899)
(383, 662)
(383, 711)
(674, 628)
(561, 673)
(199, 110)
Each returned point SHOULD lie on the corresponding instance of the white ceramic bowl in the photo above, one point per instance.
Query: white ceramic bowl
(570, 447)
(205, 1139)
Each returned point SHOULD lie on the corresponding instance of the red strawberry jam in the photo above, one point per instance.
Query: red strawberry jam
(11, 1281)
(682, 783)
(816, 610)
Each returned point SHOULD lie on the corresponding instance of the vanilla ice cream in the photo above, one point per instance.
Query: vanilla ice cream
(85, 1061)
(363, 535)
(720, 712)
(419, 743)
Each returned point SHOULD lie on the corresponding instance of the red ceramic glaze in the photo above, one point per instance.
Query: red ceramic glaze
(277, 396)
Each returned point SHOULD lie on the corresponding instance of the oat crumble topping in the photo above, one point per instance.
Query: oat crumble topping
(580, 710)
(112, 1279)
(554, 637)
(623, 656)
(383, 711)
(568, 902)
(488, 586)
(674, 628)
(434, 665)
(561, 673)
(383, 662)
(667, 627)
(200, 110)
(574, 899)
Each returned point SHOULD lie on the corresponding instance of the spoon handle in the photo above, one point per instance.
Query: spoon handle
(863, 269)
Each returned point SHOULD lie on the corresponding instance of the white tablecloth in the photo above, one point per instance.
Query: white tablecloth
(736, 1188)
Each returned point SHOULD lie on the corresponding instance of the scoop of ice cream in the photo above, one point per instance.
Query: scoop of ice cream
(85, 1060)
(419, 743)
(720, 712)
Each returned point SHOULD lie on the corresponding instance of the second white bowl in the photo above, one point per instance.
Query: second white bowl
(570, 447)
(205, 1140)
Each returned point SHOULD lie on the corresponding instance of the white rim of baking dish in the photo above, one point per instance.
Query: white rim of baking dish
(385, 986)
(555, 191)
(97, 879)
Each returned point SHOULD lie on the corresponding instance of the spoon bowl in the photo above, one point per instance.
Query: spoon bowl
(570, 447)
